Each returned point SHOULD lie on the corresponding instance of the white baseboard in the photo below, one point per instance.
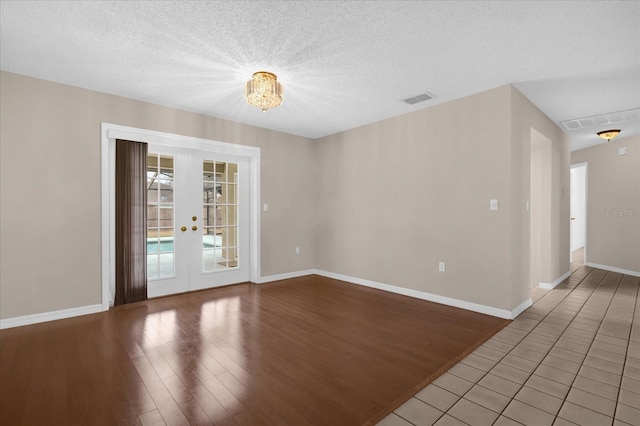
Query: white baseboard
(613, 269)
(49, 316)
(285, 276)
(549, 286)
(521, 308)
(483, 309)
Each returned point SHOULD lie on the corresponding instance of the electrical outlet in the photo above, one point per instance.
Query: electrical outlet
(442, 266)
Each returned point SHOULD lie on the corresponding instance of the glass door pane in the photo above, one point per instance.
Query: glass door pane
(219, 215)
(160, 216)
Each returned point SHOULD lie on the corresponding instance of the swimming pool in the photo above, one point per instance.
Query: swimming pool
(155, 246)
(165, 245)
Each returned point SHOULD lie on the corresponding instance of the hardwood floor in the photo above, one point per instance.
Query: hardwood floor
(305, 351)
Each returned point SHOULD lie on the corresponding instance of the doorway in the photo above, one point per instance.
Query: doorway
(540, 209)
(214, 182)
(578, 227)
(197, 220)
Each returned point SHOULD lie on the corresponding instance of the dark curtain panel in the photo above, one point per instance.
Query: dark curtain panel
(131, 222)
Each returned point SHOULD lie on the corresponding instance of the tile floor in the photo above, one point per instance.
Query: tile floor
(572, 358)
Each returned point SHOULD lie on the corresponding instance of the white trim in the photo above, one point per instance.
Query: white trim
(254, 217)
(613, 269)
(109, 134)
(49, 316)
(107, 179)
(489, 310)
(521, 308)
(470, 306)
(549, 286)
(115, 131)
(285, 276)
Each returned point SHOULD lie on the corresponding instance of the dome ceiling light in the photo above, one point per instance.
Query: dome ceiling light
(609, 134)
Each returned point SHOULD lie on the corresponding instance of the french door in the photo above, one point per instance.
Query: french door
(197, 220)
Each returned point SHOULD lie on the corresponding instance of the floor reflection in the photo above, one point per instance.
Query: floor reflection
(159, 328)
(304, 351)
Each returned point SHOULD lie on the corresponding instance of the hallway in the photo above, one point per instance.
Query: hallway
(572, 358)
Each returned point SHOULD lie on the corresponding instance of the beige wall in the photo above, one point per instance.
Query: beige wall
(613, 203)
(50, 173)
(384, 202)
(398, 196)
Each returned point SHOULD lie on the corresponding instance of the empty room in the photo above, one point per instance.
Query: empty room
(296, 213)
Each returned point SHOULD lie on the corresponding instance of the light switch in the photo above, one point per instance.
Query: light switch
(493, 204)
(265, 207)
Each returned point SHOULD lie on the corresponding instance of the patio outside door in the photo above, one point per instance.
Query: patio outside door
(198, 220)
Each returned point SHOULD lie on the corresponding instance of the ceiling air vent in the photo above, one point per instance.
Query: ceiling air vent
(419, 98)
(600, 120)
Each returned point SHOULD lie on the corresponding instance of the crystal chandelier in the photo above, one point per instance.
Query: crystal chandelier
(263, 91)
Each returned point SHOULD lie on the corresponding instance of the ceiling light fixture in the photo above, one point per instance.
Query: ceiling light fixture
(609, 134)
(263, 91)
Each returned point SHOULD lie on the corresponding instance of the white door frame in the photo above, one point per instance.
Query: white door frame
(109, 134)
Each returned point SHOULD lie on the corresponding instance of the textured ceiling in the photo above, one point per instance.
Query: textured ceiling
(343, 64)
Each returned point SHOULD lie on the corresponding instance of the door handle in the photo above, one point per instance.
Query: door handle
(194, 228)
(183, 229)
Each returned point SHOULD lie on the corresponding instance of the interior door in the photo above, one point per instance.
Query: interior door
(197, 220)
(573, 212)
(578, 207)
